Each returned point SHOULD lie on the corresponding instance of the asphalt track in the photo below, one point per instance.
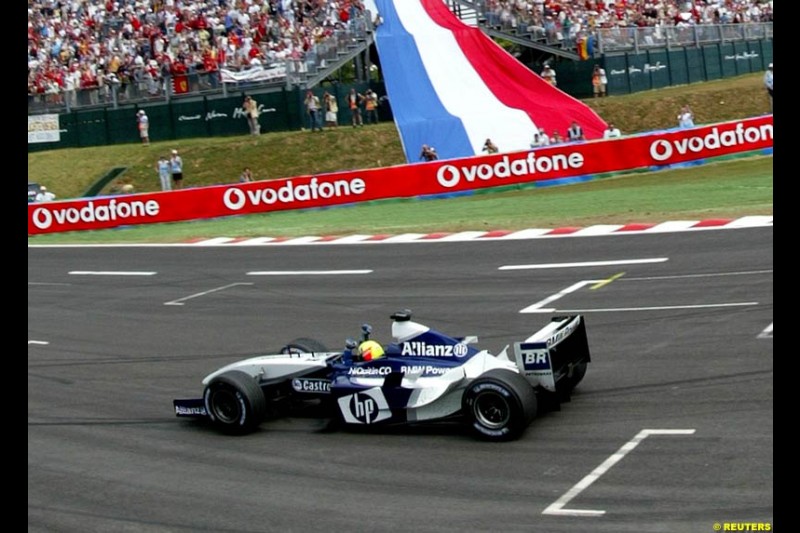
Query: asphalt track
(681, 339)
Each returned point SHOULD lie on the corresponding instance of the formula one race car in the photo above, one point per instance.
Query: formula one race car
(422, 376)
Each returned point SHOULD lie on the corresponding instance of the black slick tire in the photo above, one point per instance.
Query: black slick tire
(235, 403)
(499, 405)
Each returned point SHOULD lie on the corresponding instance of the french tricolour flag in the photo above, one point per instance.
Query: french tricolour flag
(451, 87)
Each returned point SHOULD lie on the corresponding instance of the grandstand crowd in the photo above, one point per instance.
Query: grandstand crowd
(139, 44)
(564, 22)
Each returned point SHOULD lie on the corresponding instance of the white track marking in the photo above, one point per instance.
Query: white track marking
(537, 307)
(406, 237)
(531, 233)
(215, 240)
(675, 225)
(598, 229)
(557, 507)
(462, 236)
(654, 308)
(41, 343)
(309, 239)
(751, 222)
(110, 273)
(766, 334)
(351, 239)
(307, 272)
(255, 241)
(180, 301)
(585, 264)
(711, 275)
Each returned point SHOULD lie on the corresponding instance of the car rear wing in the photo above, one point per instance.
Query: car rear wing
(548, 355)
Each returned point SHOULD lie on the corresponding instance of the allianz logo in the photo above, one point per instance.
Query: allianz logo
(423, 349)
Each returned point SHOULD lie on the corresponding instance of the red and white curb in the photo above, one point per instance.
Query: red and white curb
(501, 235)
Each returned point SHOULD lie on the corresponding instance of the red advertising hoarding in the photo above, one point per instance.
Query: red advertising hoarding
(405, 181)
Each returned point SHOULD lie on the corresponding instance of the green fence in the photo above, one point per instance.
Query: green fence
(197, 117)
(631, 72)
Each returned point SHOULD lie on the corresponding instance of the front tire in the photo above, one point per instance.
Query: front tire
(235, 402)
(499, 405)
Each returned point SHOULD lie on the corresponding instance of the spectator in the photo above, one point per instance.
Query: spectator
(176, 168)
(44, 195)
(246, 176)
(575, 132)
(556, 138)
(354, 100)
(686, 118)
(549, 75)
(144, 126)
(428, 153)
(611, 132)
(599, 81)
(164, 173)
(331, 110)
(313, 109)
(489, 147)
(250, 107)
(371, 106)
(540, 138)
(768, 84)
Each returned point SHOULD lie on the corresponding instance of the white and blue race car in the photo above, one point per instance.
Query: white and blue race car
(422, 376)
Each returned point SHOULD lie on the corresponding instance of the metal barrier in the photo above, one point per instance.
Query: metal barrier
(634, 39)
(550, 32)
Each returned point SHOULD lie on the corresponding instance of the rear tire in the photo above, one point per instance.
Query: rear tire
(304, 345)
(235, 402)
(499, 405)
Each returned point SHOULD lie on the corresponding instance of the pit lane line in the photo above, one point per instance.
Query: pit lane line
(557, 507)
(653, 308)
(596, 284)
(585, 264)
(307, 272)
(110, 273)
(180, 301)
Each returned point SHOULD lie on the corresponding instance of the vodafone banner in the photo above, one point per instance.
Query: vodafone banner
(404, 181)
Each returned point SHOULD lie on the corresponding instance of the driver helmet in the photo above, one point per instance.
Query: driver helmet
(369, 351)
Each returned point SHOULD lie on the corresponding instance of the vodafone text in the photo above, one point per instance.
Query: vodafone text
(662, 149)
(236, 199)
(114, 210)
(451, 175)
